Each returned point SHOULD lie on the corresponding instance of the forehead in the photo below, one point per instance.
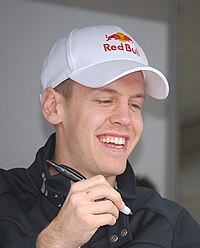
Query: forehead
(132, 83)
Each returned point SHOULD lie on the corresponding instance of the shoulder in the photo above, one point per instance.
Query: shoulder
(153, 201)
(16, 181)
(4, 186)
(170, 211)
(15, 191)
(13, 220)
(161, 222)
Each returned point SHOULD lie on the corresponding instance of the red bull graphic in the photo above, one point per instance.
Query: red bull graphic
(119, 36)
(123, 46)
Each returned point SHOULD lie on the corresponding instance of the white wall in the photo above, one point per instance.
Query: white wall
(27, 30)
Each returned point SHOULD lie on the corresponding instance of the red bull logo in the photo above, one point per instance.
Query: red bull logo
(119, 36)
(123, 46)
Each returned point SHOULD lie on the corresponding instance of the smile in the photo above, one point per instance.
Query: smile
(114, 142)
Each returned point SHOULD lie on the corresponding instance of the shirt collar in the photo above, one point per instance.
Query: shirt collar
(57, 187)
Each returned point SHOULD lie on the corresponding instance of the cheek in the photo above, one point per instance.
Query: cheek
(87, 124)
(138, 125)
(141, 124)
(95, 119)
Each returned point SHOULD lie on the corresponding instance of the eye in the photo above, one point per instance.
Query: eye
(104, 102)
(135, 106)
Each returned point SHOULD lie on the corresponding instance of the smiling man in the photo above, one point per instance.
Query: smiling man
(103, 125)
(93, 85)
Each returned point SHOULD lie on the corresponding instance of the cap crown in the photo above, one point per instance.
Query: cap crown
(93, 45)
(98, 55)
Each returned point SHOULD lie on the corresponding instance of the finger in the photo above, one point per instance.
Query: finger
(103, 207)
(102, 192)
(93, 189)
(90, 182)
(104, 219)
(94, 221)
(86, 212)
(98, 208)
(78, 190)
(94, 195)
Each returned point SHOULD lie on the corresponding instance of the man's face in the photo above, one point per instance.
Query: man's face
(101, 126)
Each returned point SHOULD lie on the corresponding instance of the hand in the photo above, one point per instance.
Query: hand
(90, 204)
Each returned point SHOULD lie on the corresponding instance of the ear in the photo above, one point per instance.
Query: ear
(50, 101)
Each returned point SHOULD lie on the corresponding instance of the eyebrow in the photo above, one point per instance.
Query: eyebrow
(107, 89)
(139, 96)
(113, 91)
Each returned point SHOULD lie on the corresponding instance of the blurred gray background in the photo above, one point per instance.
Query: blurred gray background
(168, 30)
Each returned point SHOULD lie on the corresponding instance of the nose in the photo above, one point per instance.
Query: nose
(121, 115)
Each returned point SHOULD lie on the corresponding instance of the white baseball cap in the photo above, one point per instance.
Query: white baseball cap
(98, 55)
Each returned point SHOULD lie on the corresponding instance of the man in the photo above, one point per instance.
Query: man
(94, 82)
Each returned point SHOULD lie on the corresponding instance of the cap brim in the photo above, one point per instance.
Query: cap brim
(99, 75)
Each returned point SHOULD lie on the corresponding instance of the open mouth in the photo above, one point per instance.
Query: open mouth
(113, 142)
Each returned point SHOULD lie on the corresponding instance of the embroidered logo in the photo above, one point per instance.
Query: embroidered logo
(119, 36)
(125, 43)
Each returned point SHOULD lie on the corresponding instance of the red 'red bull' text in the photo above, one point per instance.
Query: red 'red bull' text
(122, 47)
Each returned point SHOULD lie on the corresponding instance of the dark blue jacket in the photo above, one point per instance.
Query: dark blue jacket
(31, 198)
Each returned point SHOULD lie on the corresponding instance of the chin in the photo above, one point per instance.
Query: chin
(117, 169)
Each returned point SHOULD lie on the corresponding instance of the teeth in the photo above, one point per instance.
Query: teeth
(113, 140)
